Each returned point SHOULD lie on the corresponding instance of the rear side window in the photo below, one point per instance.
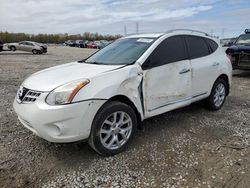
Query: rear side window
(170, 50)
(197, 47)
(213, 45)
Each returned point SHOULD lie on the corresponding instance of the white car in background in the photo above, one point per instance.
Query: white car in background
(28, 46)
(104, 98)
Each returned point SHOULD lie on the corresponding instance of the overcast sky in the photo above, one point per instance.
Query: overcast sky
(219, 17)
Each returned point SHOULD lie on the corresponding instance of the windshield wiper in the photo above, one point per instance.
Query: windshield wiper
(81, 61)
(95, 63)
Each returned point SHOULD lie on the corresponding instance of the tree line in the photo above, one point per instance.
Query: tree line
(7, 37)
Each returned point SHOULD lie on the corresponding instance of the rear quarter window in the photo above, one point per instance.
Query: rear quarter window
(212, 44)
(197, 47)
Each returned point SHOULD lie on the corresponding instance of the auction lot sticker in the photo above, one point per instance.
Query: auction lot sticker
(145, 40)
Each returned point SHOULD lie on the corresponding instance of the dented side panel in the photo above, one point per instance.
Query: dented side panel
(165, 85)
(124, 81)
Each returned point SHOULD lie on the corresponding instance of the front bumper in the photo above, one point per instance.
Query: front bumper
(45, 50)
(241, 60)
(60, 124)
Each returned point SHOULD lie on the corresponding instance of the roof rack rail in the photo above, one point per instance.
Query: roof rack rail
(191, 30)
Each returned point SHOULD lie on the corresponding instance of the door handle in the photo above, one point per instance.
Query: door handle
(183, 71)
(216, 64)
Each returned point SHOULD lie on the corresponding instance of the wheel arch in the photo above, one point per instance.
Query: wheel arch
(126, 100)
(12, 46)
(226, 79)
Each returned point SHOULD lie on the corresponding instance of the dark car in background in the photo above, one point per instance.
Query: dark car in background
(81, 43)
(70, 43)
(239, 52)
(1, 45)
(227, 42)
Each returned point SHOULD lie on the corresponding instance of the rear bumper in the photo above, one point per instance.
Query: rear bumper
(60, 124)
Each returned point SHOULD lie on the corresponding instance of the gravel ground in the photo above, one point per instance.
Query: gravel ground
(190, 147)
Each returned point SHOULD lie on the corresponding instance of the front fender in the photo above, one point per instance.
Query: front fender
(122, 81)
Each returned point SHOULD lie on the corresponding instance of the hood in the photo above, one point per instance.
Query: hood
(42, 45)
(51, 78)
(240, 47)
(13, 43)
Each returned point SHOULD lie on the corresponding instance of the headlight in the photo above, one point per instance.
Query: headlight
(65, 93)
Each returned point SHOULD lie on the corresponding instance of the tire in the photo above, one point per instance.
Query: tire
(106, 135)
(218, 95)
(34, 51)
(13, 48)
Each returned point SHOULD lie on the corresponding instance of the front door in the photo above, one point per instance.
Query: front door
(167, 77)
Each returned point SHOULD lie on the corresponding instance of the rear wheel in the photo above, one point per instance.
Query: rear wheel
(113, 128)
(13, 48)
(218, 95)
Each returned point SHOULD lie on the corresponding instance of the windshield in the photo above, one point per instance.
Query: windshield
(243, 39)
(121, 52)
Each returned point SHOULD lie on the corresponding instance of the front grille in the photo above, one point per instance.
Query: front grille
(31, 96)
(26, 95)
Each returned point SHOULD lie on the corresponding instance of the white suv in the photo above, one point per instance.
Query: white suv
(105, 97)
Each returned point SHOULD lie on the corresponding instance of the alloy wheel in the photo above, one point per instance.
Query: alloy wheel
(219, 95)
(116, 130)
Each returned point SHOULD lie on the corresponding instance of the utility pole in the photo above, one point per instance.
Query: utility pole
(125, 30)
(212, 32)
(137, 27)
(223, 33)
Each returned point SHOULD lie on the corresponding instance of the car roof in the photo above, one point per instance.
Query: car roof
(170, 32)
(145, 35)
(28, 41)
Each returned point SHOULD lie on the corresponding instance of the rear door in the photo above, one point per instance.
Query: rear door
(29, 46)
(166, 77)
(24, 46)
(204, 66)
(20, 46)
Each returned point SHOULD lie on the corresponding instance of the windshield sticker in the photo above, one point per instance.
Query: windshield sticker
(145, 40)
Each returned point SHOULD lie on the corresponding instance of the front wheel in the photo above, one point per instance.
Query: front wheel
(34, 51)
(218, 95)
(13, 48)
(113, 128)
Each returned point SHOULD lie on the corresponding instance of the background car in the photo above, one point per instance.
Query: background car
(227, 42)
(81, 43)
(44, 47)
(70, 43)
(27, 46)
(98, 44)
(1, 45)
(239, 52)
(90, 44)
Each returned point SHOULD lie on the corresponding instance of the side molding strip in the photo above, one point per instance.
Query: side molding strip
(177, 101)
